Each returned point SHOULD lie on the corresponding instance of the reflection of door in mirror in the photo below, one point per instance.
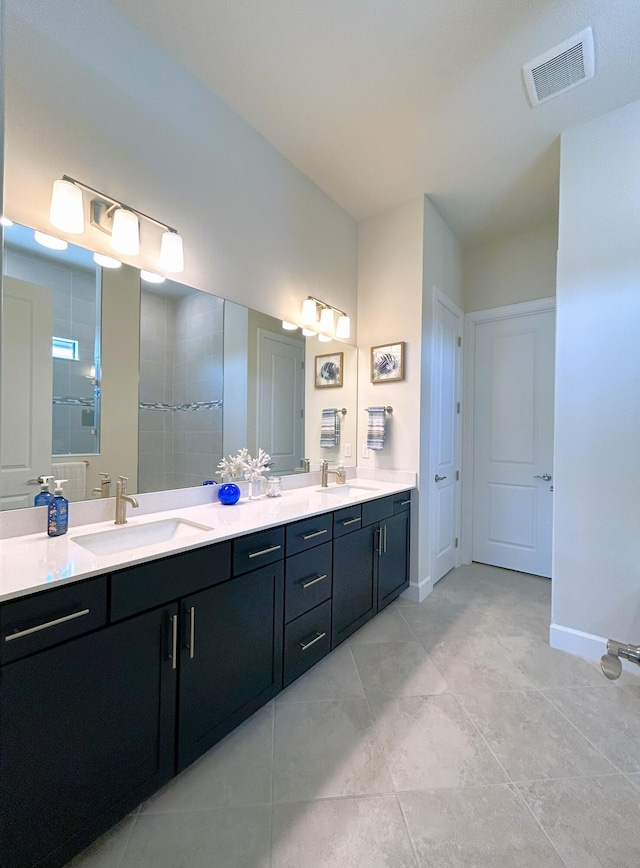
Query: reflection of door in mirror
(180, 421)
(54, 402)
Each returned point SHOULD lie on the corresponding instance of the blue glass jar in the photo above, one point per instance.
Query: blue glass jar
(228, 493)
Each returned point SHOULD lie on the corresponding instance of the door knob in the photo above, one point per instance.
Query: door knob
(439, 478)
(545, 476)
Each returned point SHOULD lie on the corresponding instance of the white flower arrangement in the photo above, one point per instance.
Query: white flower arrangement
(243, 464)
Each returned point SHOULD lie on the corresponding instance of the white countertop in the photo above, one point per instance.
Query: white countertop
(35, 562)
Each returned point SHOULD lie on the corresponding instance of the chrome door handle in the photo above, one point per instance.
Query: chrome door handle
(308, 584)
(545, 476)
(439, 478)
(304, 645)
(306, 536)
(174, 641)
(28, 632)
(192, 631)
(265, 551)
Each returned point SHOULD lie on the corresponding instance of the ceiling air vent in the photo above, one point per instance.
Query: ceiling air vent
(560, 69)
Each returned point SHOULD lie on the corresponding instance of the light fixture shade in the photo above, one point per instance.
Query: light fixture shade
(171, 252)
(325, 338)
(326, 320)
(125, 235)
(66, 212)
(308, 333)
(151, 277)
(343, 327)
(49, 241)
(308, 315)
(106, 261)
(4, 221)
(289, 326)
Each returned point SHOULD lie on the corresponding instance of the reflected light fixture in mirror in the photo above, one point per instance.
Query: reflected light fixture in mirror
(106, 261)
(121, 222)
(151, 277)
(49, 241)
(325, 338)
(289, 326)
(4, 221)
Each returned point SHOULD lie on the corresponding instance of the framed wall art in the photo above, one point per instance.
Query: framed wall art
(387, 362)
(329, 370)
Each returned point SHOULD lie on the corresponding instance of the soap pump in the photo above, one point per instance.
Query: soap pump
(58, 512)
(45, 497)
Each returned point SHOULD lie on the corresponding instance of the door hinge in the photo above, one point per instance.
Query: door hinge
(457, 476)
(456, 543)
(459, 341)
(458, 407)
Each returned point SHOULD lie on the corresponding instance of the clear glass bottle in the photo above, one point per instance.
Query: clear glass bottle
(274, 486)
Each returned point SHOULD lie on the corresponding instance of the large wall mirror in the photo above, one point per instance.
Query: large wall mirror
(105, 371)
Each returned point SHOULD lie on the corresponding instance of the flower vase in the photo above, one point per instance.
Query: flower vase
(255, 488)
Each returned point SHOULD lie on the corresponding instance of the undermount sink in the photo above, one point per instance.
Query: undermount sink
(121, 539)
(345, 490)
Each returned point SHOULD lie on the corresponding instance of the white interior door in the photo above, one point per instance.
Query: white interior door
(445, 435)
(27, 373)
(513, 442)
(281, 400)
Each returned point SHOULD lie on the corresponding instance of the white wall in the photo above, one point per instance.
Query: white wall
(596, 564)
(318, 399)
(89, 96)
(511, 269)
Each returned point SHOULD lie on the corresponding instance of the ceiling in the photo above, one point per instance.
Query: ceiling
(378, 101)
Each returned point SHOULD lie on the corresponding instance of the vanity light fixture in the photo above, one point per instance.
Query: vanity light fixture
(4, 221)
(49, 241)
(325, 338)
(311, 307)
(106, 261)
(151, 277)
(289, 326)
(309, 333)
(120, 221)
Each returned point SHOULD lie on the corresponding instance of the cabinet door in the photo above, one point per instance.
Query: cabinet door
(393, 572)
(354, 590)
(231, 657)
(86, 733)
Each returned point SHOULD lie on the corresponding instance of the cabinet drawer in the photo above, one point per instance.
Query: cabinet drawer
(146, 586)
(302, 535)
(258, 550)
(377, 510)
(307, 581)
(37, 622)
(401, 502)
(306, 640)
(347, 520)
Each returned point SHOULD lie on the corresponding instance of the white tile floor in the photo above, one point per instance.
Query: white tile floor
(442, 734)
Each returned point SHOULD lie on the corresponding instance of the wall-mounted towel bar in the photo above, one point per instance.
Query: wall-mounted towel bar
(386, 409)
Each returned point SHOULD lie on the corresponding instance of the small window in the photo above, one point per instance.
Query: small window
(64, 348)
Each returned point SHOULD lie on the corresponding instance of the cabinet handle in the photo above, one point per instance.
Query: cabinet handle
(265, 551)
(385, 540)
(405, 502)
(174, 641)
(46, 626)
(306, 585)
(379, 532)
(192, 631)
(318, 637)
(351, 521)
(306, 536)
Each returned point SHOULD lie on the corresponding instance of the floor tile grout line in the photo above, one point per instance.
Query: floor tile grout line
(414, 849)
(273, 769)
(136, 817)
(522, 798)
(579, 731)
(485, 742)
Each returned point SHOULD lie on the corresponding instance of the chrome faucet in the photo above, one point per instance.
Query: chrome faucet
(122, 499)
(340, 474)
(105, 486)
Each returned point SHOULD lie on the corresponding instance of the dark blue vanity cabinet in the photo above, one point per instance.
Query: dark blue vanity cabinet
(111, 685)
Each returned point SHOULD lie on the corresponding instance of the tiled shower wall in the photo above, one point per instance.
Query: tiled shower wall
(74, 292)
(180, 364)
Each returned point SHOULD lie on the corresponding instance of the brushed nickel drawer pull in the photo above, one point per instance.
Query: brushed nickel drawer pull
(351, 521)
(306, 536)
(405, 502)
(192, 631)
(174, 641)
(265, 551)
(306, 585)
(46, 626)
(379, 532)
(318, 637)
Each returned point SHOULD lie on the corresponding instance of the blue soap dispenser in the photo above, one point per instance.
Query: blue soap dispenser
(58, 512)
(45, 497)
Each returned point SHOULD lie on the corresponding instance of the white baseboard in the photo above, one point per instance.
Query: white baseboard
(576, 642)
(418, 591)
